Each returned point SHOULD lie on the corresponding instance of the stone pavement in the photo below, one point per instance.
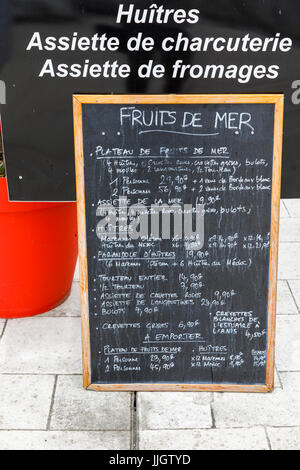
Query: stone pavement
(43, 404)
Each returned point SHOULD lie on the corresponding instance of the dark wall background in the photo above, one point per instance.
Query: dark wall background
(37, 119)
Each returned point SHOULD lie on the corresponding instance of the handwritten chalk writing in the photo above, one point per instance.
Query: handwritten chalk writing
(162, 310)
(153, 119)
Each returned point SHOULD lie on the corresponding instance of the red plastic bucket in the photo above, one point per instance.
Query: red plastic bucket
(38, 253)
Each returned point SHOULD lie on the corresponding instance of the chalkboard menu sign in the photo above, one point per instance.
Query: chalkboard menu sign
(178, 208)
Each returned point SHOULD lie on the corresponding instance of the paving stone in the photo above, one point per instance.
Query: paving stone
(2, 323)
(78, 409)
(288, 343)
(291, 382)
(289, 230)
(184, 410)
(25, 401)
(295, 288)
(71, 307)
(277, 383)
(284, 438)
(64, 440)
(41, 345)
(285, 302)
(279, 408)
(289, 261)
(293, 207)
(76, 273)
(208, 439)
(283, 212)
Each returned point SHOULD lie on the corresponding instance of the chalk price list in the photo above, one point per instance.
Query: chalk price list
(161, 311)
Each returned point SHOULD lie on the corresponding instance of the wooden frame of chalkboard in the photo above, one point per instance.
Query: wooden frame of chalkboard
(278, 101)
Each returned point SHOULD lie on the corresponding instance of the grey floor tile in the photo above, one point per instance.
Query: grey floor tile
(284, 438)
(279, 408)
(288, 343)
(70, 308)
(76, 273)
(78, 409)
(64, 440)
(25, 401)
(291, 383)
(277, 383)
(2, 323)
(41, 345)
(289, 230)
(285, 301)
(208, 439)
(283, 212)
(293, 207)
(289, 260)
(295, 288)
(174, 410)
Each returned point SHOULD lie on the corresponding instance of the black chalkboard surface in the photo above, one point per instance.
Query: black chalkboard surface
(178, 204)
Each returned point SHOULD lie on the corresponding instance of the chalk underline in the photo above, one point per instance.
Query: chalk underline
(175, 341)
(158, 352)
(166, 157)
(139, 352)
(133, 259)
(178, 132)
